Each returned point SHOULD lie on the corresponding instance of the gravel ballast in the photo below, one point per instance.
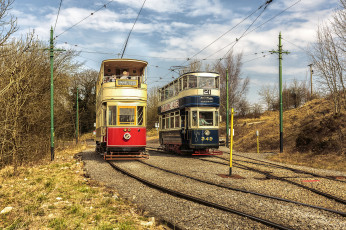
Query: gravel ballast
(188, 215)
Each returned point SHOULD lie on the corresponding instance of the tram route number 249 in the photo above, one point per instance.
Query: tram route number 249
(206, 138)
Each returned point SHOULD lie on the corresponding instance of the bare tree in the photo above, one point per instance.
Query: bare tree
(25, 97)
(7, 26)
(269, 95)
(328, 57)
(237, 87)
(328, 61)
(152, 104)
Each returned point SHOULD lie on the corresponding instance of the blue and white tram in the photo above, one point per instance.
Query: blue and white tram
(189, 114)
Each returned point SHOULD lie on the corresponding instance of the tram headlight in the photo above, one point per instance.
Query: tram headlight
(207, 132)
(127, 136)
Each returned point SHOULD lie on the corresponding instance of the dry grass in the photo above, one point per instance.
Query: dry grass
(313, 136)
(330, 161)
(152, 134)
(56, 195)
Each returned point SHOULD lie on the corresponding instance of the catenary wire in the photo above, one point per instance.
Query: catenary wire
(91, 14)
(227, 31)
(58, 14)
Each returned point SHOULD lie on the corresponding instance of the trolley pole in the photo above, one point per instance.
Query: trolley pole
(227, 111)
(51, 52)
(77, 118)
(280, 52)
(231, 145)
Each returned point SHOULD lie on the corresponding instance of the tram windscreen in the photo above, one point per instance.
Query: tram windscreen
(127, 116)
(205, 118)
(206, 82)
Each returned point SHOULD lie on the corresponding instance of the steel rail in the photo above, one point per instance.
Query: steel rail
(198, 200)
(286, 167)
(270, 176)
(245, 191)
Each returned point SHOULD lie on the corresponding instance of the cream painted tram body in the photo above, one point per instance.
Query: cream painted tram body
(189, 114)
(121, 103)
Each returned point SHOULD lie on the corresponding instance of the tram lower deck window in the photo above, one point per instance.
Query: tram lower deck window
(112, 115)
(140, 115)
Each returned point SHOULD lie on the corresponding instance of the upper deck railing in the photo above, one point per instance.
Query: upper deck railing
(204, 80)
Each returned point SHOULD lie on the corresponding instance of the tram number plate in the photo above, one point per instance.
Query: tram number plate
(206, 92)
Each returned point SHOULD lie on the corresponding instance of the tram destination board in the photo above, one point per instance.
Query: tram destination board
(126, 82)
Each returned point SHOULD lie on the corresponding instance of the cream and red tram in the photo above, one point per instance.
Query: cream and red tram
(121, 103)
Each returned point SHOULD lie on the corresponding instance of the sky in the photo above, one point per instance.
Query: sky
(169, 32)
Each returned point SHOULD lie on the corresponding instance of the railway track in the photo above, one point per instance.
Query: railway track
(245, 191)
(198, 200)
(270, 164)
(268, 175)
(271, 176)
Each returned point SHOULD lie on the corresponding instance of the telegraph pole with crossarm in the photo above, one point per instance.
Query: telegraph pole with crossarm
(51, 51)
(280, 52)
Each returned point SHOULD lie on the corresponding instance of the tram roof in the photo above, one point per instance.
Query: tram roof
(200, 74)
(124, 63)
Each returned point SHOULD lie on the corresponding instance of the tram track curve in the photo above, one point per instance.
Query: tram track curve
(270, 176)
(198, 200)
(246, 191)
(282, 167)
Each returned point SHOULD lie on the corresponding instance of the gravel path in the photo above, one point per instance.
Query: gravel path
(188, 215)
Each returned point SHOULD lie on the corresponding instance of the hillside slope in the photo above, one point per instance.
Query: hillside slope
(311, 129)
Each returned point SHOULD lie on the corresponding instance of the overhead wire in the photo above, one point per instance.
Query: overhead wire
(227, 31)
(128, 37)
(260, 7)
(91, 14)
(58, 14)
(237, 39)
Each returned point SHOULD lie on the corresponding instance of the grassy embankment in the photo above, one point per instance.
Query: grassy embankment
(56, 195)
(313, 136)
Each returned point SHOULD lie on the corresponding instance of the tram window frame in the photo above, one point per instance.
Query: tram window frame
(216, 123)
(170, 90)
(217, 82)
(177, 119)
(175, 88)
(171, 115)
(166, 93)
(140, 114)
(192, 82)
(163, 125)
(194, 118)
(162, 95)
(185, 80)
(104, 111)
(167, 121)
(112, 117)
(127, 122)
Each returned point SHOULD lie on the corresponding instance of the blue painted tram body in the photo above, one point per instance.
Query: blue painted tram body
(189, 114)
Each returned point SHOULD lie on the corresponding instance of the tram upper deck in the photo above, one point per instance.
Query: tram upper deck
(122, 79)
(203, 85)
